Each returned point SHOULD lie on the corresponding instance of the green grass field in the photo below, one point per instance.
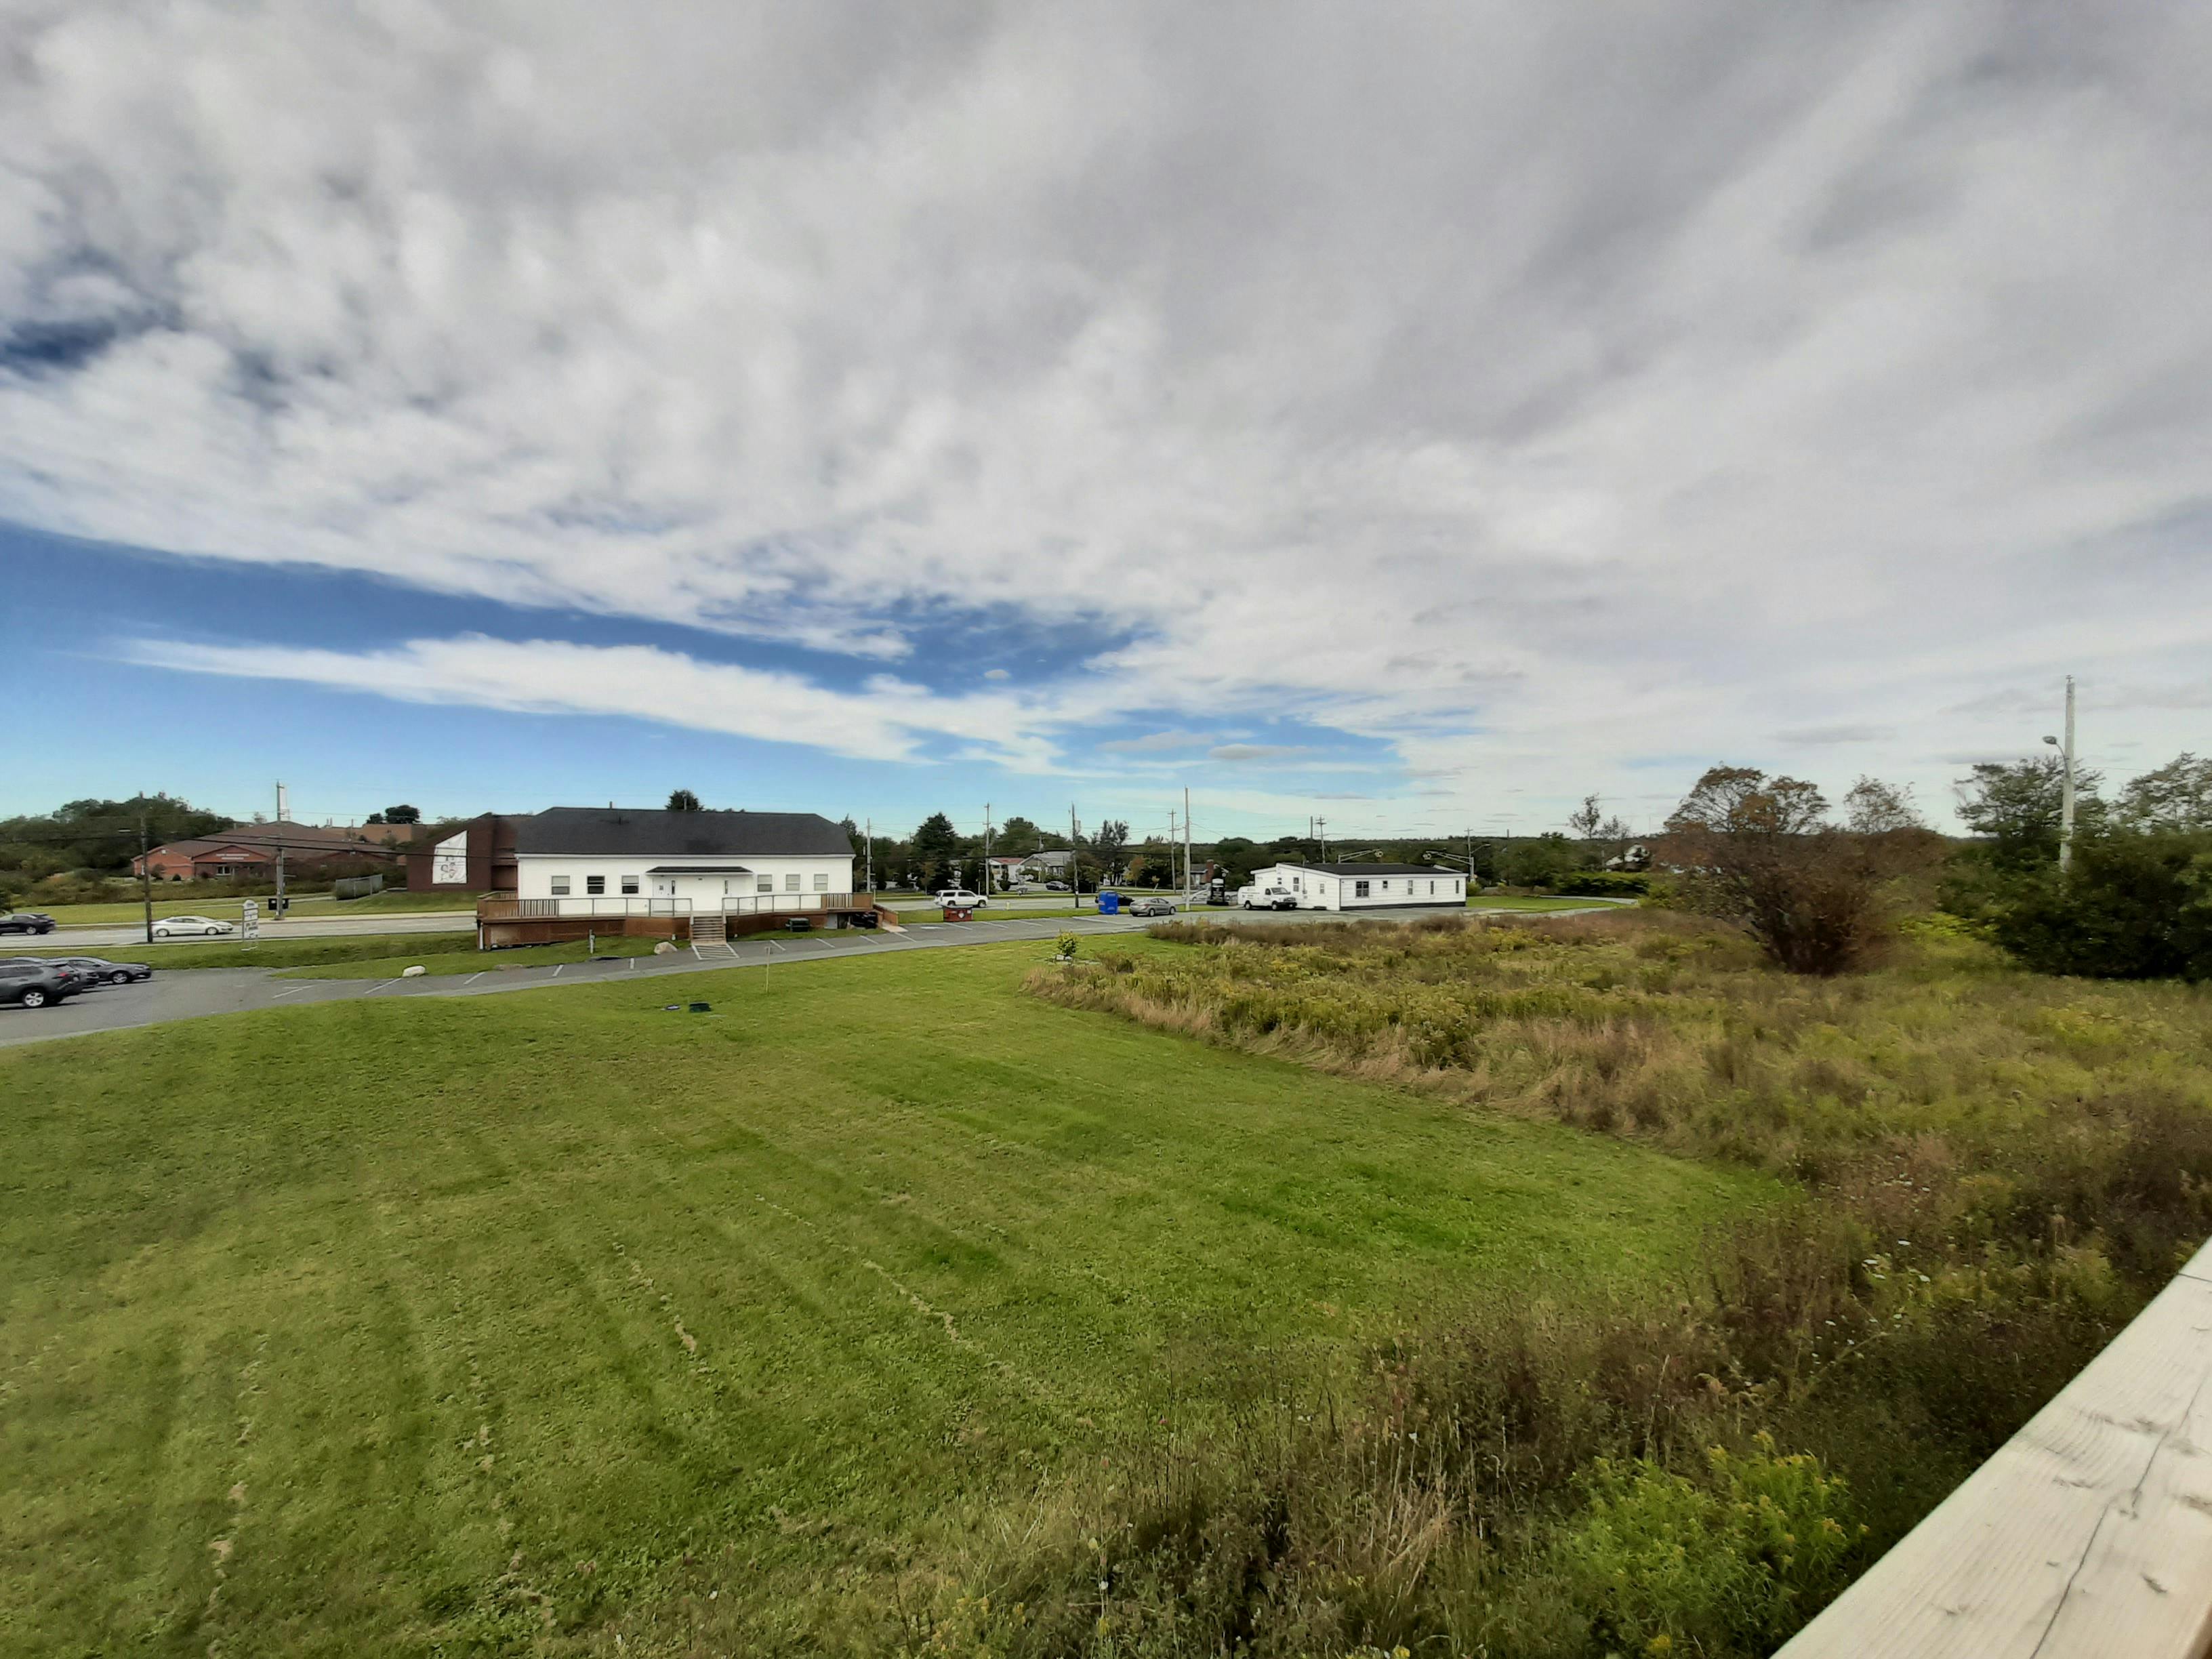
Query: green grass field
(527, 1323)
(275, 953)
(226, 910)
(472, 961)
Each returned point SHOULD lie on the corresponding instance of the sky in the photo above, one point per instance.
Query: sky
(1416, 417)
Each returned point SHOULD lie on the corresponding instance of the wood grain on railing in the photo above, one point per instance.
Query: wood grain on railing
(2088, 1533)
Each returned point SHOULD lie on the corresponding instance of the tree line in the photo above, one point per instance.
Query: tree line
(1821, 891)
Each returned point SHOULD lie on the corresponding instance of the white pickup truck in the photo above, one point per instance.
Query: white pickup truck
(1272, 899)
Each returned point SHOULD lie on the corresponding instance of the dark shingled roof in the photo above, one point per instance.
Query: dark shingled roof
(625, 832)
(1366, 869)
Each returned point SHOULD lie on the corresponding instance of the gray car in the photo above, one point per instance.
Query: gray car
(39, 984)
(104, 972)
(1152, 907)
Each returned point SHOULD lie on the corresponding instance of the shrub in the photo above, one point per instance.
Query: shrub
(1605, 883)
(1730, 1564)
(2133, 907)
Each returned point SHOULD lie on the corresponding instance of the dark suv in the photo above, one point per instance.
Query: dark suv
(26, 921)
(39, 984)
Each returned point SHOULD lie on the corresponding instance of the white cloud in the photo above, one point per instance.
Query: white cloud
(887, 719)
(1526, 389)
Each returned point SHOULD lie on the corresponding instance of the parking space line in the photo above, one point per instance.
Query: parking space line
(374, 989)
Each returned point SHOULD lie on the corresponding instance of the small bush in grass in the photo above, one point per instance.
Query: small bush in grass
(1729, 1564)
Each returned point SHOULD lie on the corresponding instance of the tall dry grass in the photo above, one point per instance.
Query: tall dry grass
(1994, 1170)
(1945, 1097)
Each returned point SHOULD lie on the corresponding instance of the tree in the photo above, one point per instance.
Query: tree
(373, 817)
(2015, 806)
(2132, 907)
(683, 801)
(1872, 807)
(2176, 799)
(402, 815)
(1585, 820)
(1758, 852)
(1111, 837)
(935, 849)
(1743, 800)
(1537, 862)
(1017, 838)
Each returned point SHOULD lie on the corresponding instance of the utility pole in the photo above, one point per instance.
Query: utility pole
(1321, 825)
(1186, 887)
(987, 847)
(2066, 787)
(279, 906)
(1074, 858)
(1174, 842)
(868, 841)
(146, 872)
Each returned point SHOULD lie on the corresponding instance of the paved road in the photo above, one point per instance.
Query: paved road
(193, 994)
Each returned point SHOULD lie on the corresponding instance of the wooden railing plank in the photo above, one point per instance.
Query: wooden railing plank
(2088, 1533)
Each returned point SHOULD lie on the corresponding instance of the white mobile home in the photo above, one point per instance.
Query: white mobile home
(1364, 886)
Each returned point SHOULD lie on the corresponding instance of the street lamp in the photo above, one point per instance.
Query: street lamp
(2066, 785)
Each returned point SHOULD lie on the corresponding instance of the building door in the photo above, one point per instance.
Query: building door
(663, 887)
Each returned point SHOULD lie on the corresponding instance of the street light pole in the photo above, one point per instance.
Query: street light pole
(2066, 798)
(2066, 784)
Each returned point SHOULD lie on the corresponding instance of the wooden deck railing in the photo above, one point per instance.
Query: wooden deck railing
(506, 907)
(2088, 1533)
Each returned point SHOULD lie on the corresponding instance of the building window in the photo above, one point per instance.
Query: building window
(1360, 890)
(630, 884)
(595, 885)
(821, 881)
(1432, 887)
(765, 885)
(560, 886)
(790, 882)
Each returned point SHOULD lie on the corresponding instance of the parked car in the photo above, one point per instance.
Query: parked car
(1272, 899)
(959, 898)
(1153, 906)
(101, 971)
(206, 927)
(26, 921)
(39, 984)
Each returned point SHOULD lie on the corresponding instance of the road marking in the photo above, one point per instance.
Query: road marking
(297, 990)
(477, 975)
(557, 972)
(374, 989)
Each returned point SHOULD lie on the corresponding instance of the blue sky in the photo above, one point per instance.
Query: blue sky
(85, 616)
(1420, 422)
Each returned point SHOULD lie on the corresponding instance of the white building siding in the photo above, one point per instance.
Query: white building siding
(1319, 890)
(790, 883)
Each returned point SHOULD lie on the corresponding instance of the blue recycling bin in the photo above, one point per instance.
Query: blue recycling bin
(1110, 904)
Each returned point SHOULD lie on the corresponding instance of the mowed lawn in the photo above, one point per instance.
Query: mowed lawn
(226, 908)
(533, 1320)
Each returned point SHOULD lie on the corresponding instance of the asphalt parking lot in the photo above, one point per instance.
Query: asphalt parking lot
(197, 994)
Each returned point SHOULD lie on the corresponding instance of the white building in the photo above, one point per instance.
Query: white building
(1364, 886)
(608, 862)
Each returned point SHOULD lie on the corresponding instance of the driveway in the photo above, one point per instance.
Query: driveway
(194, 993)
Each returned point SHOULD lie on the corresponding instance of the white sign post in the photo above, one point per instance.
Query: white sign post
(249, 921)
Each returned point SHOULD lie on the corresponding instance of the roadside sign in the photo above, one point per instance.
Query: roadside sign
(249, 919)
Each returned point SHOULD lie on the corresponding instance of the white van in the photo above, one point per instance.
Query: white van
(1272, 899)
